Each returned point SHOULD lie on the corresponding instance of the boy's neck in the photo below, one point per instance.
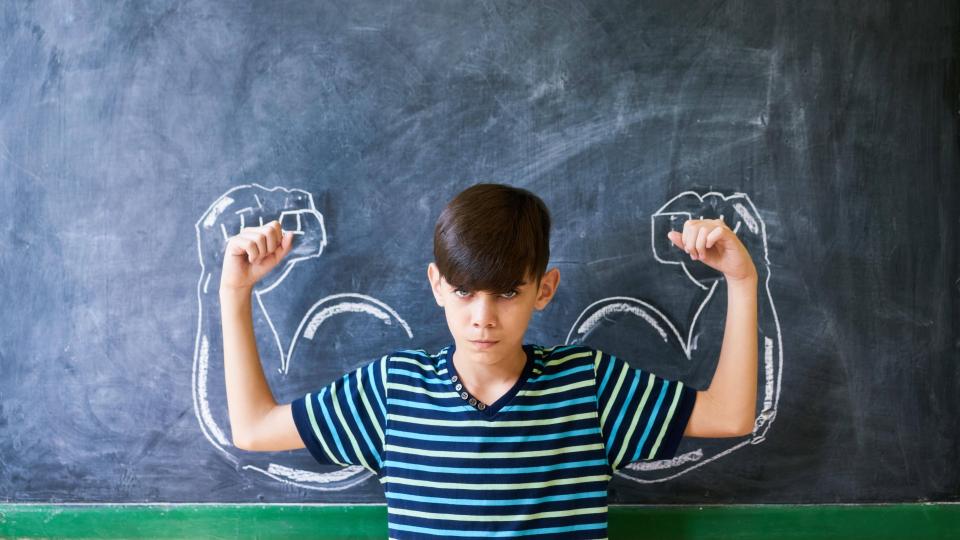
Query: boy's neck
(488, 370)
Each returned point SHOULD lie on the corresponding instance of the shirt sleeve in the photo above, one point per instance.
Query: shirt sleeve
(642, 416)
(344, 422)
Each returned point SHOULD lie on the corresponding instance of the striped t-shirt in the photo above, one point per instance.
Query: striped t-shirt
(536, 463)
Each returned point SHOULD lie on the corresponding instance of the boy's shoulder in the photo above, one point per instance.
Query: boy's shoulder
(565, 356)
(420, 357)
(410, 352)
(565, 349)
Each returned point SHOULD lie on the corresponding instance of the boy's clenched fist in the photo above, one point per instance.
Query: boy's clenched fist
(252, 254)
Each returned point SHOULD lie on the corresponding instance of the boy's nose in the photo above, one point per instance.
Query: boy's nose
(484, 312)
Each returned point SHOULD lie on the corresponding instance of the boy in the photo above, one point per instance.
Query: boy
(490, 436)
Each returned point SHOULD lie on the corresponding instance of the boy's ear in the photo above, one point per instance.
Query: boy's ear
(548, 287)
(433, 276)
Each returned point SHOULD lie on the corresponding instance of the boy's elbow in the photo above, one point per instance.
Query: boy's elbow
(244, 441)
(241, 442)
(742, 430)
(273, 430)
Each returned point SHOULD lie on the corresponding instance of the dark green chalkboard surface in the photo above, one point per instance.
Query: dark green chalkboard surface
(135, 137)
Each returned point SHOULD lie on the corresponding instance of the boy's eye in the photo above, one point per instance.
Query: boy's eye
(463, 293)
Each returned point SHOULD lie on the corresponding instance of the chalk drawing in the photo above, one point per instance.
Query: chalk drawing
(734, 209)
(239, 207)
(254, 203)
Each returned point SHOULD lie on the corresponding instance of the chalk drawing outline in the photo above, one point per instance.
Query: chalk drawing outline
(291, 221)
(332, 305)
(770, 362)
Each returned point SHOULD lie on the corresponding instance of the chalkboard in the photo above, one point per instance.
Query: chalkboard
(136, 137)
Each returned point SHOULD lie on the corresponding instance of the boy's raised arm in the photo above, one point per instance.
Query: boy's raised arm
(256, 421)
(728, 407)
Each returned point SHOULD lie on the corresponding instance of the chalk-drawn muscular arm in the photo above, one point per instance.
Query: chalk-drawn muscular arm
(727, 407)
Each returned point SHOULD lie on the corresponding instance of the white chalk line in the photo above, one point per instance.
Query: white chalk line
(354, 303)
(336, 480)
(345, 477)
(772, 359)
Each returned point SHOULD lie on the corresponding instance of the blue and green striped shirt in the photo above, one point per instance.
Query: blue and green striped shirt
(536, 463)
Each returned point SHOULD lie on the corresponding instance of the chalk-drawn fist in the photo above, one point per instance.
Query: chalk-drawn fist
(685, 222)
(253, 253)
(250, 219)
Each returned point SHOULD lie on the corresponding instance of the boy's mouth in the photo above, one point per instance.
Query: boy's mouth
(483, 343)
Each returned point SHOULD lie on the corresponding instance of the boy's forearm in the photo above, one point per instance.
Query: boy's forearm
(733, 392)
(248, 395)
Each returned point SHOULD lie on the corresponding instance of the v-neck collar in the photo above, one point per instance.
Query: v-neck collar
(453, 378)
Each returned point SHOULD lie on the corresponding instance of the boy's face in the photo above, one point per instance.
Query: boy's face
(488, 325)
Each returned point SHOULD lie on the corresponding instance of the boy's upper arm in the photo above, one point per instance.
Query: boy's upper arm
(277, 431)
(704, 421)
(693, 428)
(696, 426)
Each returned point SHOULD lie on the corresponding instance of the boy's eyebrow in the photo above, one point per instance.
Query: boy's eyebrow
(517, 284)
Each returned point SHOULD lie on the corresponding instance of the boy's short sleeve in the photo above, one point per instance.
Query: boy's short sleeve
(344, 422)
(642, 416)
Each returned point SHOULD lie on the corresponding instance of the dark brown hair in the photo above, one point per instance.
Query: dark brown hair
(491, 237)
